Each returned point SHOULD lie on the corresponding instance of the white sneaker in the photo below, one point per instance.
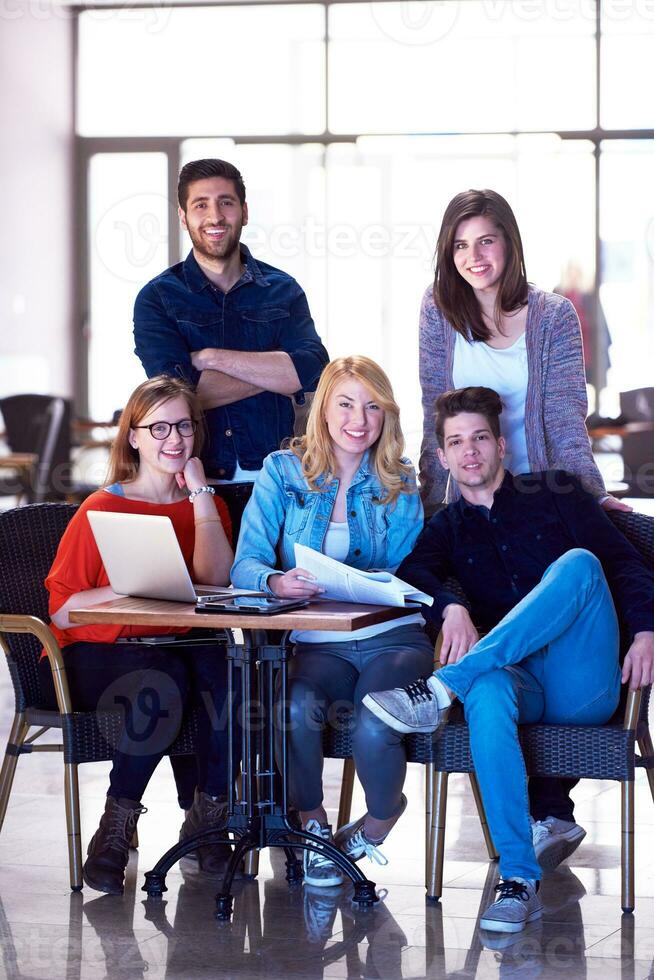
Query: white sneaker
(555, 840)
(517, 904)
(320, 870)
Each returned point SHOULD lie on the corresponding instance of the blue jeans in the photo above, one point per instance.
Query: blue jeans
(553, 658)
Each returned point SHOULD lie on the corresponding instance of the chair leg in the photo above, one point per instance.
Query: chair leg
(436, 846)
(17, 735)
(647, 751)
(628, 897)
(479, 803)
(73, 825)
(429, 810)
(347, 788)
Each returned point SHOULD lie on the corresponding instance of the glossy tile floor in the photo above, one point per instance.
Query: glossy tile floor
(48, 932)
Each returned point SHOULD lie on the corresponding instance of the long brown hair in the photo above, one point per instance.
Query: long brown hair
(452, 294)
(315, 449)
(124, 459)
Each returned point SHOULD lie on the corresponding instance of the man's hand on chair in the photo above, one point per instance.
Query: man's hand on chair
(458, 633)
(638, 667)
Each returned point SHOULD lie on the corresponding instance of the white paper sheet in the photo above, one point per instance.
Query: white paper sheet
(352, 585)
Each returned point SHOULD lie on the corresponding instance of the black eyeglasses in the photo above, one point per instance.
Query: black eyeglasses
(161, 430)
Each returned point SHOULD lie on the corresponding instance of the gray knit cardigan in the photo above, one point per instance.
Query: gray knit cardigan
(556, 406)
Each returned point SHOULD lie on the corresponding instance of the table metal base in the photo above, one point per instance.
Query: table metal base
(259, 820)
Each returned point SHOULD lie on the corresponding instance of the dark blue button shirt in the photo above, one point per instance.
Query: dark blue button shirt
(266, 310)
(499, 555)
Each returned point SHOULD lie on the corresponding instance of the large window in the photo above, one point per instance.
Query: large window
(353, 125)
(169, 70)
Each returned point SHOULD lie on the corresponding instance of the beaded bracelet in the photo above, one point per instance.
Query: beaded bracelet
(200, 490)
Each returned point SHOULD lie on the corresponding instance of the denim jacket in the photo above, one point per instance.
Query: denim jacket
(180, 311)
(283, 510)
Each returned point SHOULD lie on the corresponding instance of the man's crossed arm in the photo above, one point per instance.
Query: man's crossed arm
(230, 375)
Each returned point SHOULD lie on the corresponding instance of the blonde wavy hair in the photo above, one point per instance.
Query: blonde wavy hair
(124, 459)
(315, 450)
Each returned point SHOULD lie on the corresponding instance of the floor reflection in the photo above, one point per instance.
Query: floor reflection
(311, 933)
(47, 933)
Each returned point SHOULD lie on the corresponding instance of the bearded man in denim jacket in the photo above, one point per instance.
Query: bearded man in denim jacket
(238, 329)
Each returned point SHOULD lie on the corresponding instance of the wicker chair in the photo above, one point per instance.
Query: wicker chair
(589, 752)
(29, 537)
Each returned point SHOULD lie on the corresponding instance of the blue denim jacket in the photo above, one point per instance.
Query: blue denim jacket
(283, 510)
(181, 311)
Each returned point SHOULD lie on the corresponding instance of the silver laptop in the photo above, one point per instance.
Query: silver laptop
(142, 557)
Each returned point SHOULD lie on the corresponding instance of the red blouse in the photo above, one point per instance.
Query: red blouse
(78, 566)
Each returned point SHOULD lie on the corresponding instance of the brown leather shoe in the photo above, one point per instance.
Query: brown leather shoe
(207, 811)
(108, 852)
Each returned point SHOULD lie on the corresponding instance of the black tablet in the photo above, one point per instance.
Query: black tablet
(249, 605)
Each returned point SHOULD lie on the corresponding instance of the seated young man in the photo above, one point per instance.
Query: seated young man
(534, 555)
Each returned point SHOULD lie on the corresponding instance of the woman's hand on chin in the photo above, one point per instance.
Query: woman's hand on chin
(193, 475)
(295, 584)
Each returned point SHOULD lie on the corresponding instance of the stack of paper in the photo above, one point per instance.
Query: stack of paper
(352, 585)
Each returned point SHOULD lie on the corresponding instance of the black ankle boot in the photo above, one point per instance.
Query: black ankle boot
(108, 852)
(206, 812)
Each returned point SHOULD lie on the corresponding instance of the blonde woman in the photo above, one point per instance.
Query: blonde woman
(154, 469)
(343, 489)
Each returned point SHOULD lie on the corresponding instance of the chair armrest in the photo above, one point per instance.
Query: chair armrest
(36, 627)
(632, 710)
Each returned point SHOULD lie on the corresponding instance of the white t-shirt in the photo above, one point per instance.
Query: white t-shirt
(505, 371)
(336, 545)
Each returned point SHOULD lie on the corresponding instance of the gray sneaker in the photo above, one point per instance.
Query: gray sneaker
(517, 904)
(320, 870)
(555, 840)
(409, 709)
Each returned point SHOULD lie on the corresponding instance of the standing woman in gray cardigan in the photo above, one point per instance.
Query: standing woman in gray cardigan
(482, 324)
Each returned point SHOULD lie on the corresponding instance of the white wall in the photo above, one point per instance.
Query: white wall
(36, 185)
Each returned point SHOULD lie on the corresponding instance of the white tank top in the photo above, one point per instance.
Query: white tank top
(505, 371)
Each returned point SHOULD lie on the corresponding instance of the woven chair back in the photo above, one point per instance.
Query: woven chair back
(29, 538)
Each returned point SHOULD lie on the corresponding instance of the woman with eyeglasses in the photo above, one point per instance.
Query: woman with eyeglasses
(154, 469)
